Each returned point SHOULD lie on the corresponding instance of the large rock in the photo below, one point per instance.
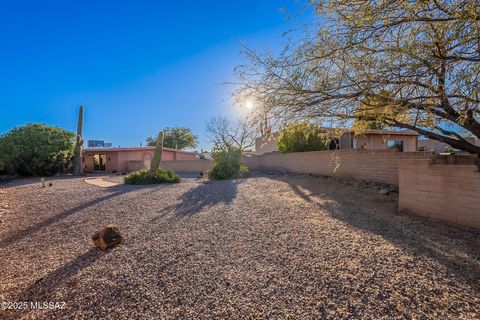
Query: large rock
(107, 237)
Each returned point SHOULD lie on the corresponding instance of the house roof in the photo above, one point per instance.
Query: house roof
(388, 132)
(133, 149)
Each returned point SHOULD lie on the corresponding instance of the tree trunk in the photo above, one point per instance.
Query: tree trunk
(457, 144)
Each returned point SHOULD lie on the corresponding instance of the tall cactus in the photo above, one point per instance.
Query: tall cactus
(77, 164)
(157, 156)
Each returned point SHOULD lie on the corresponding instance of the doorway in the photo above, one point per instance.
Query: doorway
(99, 161)
(334, 144)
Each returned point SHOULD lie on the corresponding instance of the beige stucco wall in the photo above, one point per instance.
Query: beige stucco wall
(449, 192)
(379, 142)
(182, 156)
(87, 160)
(136, 155)
(265, 145)
(117, 159)
(112, 161)
(372, 142)
(188, 166)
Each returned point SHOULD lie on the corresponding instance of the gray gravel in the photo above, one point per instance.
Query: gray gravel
(269, 246)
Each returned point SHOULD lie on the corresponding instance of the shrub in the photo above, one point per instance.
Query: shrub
(302, 137)
(146, 176)
(243, 171)
(36, 149)
(226, 163)
(3, 166)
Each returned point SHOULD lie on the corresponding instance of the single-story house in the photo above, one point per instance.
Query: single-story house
(372, 139)
(436, 146)
(403, 140)
(127, 159)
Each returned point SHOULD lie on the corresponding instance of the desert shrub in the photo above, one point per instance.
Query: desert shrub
(244, 170)
(36, 149)
(3, 166)
(226, 163)
(302, 137)
(147, 176)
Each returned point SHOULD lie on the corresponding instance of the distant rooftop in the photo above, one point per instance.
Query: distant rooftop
(367, 131)
(387, 132)
(133, 149)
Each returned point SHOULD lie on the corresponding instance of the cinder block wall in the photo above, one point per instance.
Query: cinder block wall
(440, 187)
(370, 165)
(188, 166)
(449, 192)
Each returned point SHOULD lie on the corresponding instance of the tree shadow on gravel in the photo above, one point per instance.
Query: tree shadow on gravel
(205, 195)
(14, 182)
(42, 288)
(455, 247)
(16, 236)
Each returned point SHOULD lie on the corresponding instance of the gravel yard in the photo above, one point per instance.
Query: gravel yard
(269, 246)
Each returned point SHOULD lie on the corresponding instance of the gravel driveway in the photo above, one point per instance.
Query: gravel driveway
(269, 246)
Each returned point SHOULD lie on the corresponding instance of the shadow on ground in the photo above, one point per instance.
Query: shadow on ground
(206, 194)
(27, 232)
(14, 182)
(43, 287)
(420, 236)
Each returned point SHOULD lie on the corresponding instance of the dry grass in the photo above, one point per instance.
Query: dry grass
(264, 247)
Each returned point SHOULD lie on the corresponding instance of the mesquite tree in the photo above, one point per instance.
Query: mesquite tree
(407, 64)
(176, 138)
(231, 134)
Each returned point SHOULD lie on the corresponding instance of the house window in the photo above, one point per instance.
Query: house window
(395, 144)
(354, 143)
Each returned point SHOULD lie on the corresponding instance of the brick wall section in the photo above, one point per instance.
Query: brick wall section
(449, 192)
(187, 166)
(370, 165)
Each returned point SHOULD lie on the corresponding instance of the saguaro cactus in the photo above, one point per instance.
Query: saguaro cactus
(157, 156)
(77, 164)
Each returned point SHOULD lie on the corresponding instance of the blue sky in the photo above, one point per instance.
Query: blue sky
(136, 66)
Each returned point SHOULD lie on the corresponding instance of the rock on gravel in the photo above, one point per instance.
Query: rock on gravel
(269, 246)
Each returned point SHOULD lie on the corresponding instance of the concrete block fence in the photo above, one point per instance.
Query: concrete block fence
(439, 187)
(369, 165)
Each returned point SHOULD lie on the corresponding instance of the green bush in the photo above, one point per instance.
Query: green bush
(302, 137)
(3, 166)
(147, 176)
(243, 171)
(226, 163)
(36, 149)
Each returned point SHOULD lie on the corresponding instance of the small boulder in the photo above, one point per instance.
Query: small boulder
(107, 237)
(384, 191)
